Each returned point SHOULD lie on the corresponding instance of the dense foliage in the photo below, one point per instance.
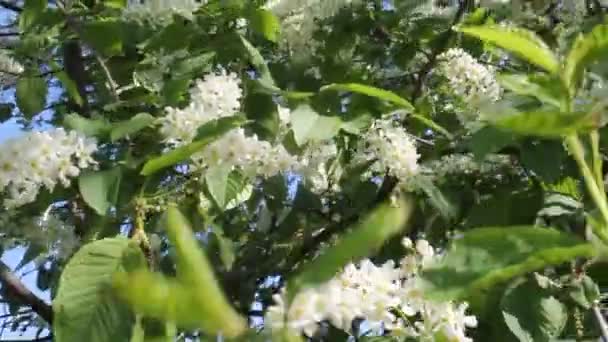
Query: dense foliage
(290, 170)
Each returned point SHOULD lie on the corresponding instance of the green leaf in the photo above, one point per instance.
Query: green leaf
(485, 257)
(532, 313)
(366, 237)
(32, 11)
(521, 42)
(378, 93)
(131, 126)
(99, 189)
(224, 185)
(70, 87)
(85, 307)
(194, 269)
(583, 291)
(310, 126)
(259, 63)
(586, 49)
(489, 140)
(265, 23)
(549, 124)
(436, 197)
(431, 124)
(97, 127)
(31, 95)
(539, 86)
(118, 4)
(207, 133)
(545, 158)
(105, 36)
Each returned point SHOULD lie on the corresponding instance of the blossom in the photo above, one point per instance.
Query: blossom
(213, 97)
(160, 10)
(42, 159)
(470, 80)
(9, 68)
(314, 165)
(371, 292)
(391, 147)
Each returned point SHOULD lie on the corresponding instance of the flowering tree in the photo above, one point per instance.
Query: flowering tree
(290, 170)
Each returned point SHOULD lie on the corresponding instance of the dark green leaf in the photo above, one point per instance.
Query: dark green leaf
(131, 126)
(258, 62)
(207, 133)
(99, 189)
(532, 313)
(105, 36)
(437, 199)
(485, 257)
(85, 307)
(70, 87)
(31, 95)
(544, 158)
(489, 140)
(32, 11)
(521, 42)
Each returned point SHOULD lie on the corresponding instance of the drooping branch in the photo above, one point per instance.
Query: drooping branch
(15, 287)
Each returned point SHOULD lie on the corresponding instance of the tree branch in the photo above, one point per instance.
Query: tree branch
(15, 287)
(11, 6)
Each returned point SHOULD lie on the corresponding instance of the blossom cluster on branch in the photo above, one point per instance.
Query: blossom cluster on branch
(387, 297)
(42, 159)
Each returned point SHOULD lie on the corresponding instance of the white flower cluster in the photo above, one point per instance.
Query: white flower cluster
(160, 10)
(435, 8)
(465, 163)
(391, 147)
(42, 159)
(370, 292)
(470, 80)
(299, 17)
(9, 69)
(314, 165)
(213, 97)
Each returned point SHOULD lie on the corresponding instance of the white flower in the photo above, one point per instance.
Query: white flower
(370, 292)
(392, 148)
(160, 10)
(42, 159)
(314, 165)
(9, 69)
(213, 97)
(472, 81)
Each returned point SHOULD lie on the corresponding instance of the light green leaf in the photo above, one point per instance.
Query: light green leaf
(96, 127)
(521, 42)
(118, 4)
(539, 86)
(532, 313)
(70, 87)
(99, 189)
(194, 269)
(131, 126)
(378, 93)
(85, 308)
(105, 36)
(310, 126)
(485, 257)
(224, 185)
(32, 11)
(550, 124)
(259, 63)
(31, 95)
(207, 133)
(265, 23)
(366, 237)
(585, 50)
(431, 124)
